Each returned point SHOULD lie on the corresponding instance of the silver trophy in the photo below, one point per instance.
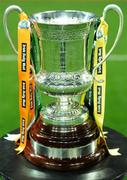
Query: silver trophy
(64, 135)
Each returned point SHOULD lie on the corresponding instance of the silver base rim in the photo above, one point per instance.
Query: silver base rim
(64, 153)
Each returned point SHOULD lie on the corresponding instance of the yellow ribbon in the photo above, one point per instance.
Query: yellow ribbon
(99, 87)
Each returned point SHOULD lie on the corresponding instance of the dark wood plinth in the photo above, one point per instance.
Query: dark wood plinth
(16, 167)
(77, 136)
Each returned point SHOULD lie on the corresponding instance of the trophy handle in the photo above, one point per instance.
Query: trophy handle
(121, 19)
(5, 24)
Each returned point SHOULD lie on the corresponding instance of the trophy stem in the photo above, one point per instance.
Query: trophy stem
(64, 112)
(64, 103)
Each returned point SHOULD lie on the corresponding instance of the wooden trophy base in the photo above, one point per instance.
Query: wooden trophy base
(65, 148)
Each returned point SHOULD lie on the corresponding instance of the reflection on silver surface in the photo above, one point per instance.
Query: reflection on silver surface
(62, 153)
(63, 17)
(65, 114)
(69, 83)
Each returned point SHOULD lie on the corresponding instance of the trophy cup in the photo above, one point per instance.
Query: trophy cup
(64, 135)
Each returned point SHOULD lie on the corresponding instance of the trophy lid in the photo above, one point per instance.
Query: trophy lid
(64, 17)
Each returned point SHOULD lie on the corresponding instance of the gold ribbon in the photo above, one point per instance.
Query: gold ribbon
(26, 84)
(25, 87)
